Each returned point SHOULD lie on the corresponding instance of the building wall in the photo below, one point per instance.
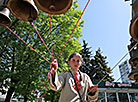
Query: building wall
(117, 92)
(125, 69)
(117, 95)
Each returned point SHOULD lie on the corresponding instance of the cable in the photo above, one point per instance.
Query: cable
(46, 83)
(40, 37)
(74, 28)
(27, 44)
(51, 35)
(116, 65)
(116, 81)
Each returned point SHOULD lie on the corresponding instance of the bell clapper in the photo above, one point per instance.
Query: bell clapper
(52, 8)
(30, 18)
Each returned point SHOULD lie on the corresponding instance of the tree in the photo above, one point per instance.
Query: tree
(95, 65)
(22, 70)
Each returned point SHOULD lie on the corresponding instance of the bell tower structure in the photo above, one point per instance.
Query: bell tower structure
(133, 47)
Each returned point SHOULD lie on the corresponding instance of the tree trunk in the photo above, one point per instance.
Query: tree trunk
(25, 99)
(9, 94)
(11, 89)
(53, 95)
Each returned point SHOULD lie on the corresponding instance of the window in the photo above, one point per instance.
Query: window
(101, 97)
(123, 97)
(133, 97)
(111, 97)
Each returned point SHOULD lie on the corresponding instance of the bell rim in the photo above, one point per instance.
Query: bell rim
(132, 59)
(53, 13)
(132, 24)
(23, 19)
(10, 21)
(132, 74)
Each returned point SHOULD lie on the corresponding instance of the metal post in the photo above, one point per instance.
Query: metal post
(128, 97)
(117, 97)
(105, 96)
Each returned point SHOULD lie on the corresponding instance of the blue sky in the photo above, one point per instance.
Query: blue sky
(107, 27)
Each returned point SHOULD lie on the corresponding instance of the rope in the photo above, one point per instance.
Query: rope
(26, 44)
(51, 34)
(116, 65)
(116, 81)
(120, 60)
(46, 83)
(51, 44)
(40, 37)
(74, 28)
(38, 54)
(52, 58)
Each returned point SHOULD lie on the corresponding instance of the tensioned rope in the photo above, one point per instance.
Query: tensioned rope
(51, 40)
(120, 60)
(51, 34)
(26, 43)
(118, 90)
(74, 28)
(37, 53)
(40, 37)
(46, 83)
(65, 43)
(115, 66)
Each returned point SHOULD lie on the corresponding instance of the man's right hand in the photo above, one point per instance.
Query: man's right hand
(54, 66)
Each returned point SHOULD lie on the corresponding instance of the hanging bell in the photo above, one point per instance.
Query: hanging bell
(134, 73)
(133, 61)
(23, 9)
(134, 21)
(4, 16)
(54, 7)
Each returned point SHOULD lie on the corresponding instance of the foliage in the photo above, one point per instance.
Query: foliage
(23, 69)
(95, 65)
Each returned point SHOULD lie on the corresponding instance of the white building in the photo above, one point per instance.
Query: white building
(117, 92)
(125, 69)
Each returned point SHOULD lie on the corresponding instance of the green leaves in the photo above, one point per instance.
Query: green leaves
(24, 68)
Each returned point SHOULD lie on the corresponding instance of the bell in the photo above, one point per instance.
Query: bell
(134, 73)
(4, 16)
(54, 7)
(23, 9)
(134, 66)
(133, 61)
(134, 21)
(134, 28)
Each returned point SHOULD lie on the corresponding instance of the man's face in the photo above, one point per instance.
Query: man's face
(75, 63)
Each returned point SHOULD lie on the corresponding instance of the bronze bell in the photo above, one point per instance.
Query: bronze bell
(134, 73)
(23, 9)
(54, 7)
(4, 16)
(134, 21)
(133, 61)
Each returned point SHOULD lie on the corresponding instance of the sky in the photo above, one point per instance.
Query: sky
(106, 27)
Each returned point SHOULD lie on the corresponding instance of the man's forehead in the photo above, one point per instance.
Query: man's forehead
(76, 57)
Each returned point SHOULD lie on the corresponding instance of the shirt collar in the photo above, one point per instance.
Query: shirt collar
(74, 71)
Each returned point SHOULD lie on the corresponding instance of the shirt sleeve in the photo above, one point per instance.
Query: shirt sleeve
(92, 91)
(57, 82)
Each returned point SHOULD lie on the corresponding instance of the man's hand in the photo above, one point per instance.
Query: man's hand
(54, 66)
(93, 89)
